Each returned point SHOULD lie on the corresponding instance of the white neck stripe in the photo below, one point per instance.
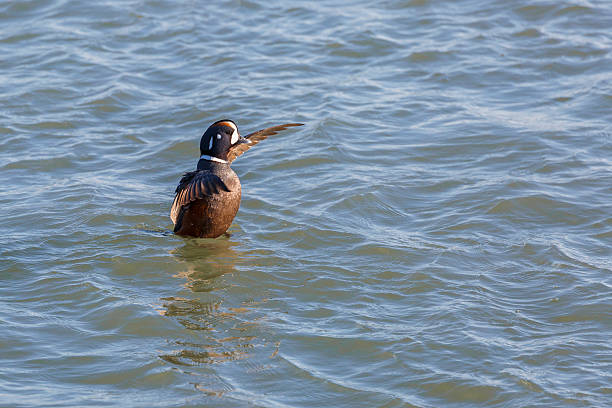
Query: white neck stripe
(212, 158)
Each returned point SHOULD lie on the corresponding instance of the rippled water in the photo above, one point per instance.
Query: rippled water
(439, 233)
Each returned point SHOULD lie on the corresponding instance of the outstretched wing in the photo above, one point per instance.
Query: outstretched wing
(193, 186)
(255, 138)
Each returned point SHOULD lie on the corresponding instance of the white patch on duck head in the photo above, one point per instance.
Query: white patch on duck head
(235, 135)
(210, 143)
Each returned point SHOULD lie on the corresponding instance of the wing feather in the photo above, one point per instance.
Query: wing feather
(255, 138)
(198, 191)
(193, 186)
(212, 188)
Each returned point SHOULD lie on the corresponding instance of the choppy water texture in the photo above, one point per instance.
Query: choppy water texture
(438, 234)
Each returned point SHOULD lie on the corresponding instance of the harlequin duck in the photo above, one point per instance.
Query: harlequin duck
(208, 198)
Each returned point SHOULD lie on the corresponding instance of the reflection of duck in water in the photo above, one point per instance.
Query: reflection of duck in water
(220, 315)
(206, 260)
(208, 198)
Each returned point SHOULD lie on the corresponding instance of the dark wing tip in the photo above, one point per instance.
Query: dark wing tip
(288, 125)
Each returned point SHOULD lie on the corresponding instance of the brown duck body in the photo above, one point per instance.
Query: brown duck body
(216, 199)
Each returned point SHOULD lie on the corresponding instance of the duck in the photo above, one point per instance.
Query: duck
(207, 199)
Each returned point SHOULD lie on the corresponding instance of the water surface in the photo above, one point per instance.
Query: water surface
(438, 234)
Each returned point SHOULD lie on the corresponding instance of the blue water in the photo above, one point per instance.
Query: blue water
(438, 234)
